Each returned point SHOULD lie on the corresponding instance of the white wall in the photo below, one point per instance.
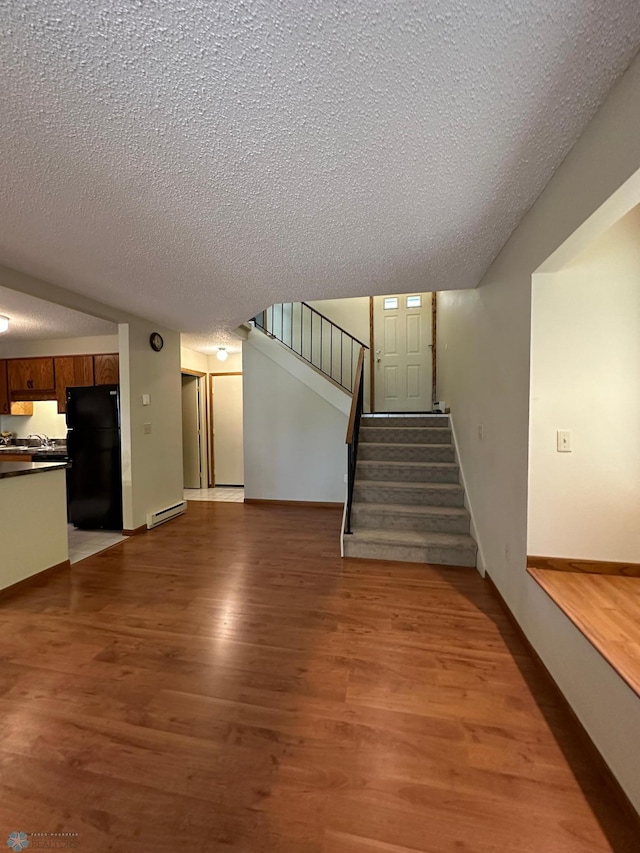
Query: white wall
(233, 364)
(192, 360)
(45, 419)
(353, 315)
(294, 440)
(228, 426)
(483, 343)
(60, 346)
(151, 463)
(585, 377)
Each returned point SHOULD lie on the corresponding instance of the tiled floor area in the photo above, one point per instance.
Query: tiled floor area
(85, 543)
(228, 494)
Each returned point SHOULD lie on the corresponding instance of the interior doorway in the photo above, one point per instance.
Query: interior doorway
(194, 435)
(402, 352)
(226, 428)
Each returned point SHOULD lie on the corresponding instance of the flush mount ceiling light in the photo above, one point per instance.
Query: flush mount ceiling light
(222, 354)
(4, 324)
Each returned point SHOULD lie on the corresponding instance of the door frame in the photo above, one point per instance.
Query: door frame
(204, 416)
(433, 345)
(212, 470)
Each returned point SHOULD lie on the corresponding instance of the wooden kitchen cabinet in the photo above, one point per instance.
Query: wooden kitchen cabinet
(72, 371)
(106, 369)
(4, 388)
(31, 379)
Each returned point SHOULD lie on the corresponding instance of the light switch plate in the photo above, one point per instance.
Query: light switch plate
(147, 429)
(564, 440)
(146, 400)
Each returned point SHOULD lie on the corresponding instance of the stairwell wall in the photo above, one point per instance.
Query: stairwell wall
(294, 439)
(352, 314)
(484, 367)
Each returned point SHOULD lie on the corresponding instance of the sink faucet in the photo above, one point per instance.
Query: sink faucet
(43, 439)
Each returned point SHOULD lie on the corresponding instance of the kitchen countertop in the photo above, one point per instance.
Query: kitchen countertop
(19, 469)
(35, 452)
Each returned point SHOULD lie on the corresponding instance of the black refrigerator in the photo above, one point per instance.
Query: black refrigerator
(94, 483)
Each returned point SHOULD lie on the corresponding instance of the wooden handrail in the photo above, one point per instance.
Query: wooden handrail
(354, 396)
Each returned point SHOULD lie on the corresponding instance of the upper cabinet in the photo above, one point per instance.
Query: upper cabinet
(72, 371)
(26, 379)
(31, 379)
(4, 388)
(106, 369)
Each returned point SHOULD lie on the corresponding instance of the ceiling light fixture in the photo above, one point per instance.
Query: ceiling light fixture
(4, 324)
(222, 354)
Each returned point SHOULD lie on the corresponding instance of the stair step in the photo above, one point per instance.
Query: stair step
(435, 519)
(426, 494)
(447, 549)
(383, 421)
(390, 452)
(408, 472)
(405, 435)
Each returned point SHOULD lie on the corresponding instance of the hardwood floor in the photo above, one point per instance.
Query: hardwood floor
(228, 683)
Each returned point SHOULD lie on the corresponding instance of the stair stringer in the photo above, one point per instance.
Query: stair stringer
(480, 564)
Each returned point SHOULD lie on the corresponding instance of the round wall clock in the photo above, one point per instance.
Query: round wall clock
(155, 339)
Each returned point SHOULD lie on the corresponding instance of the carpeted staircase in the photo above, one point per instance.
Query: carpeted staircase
(408, 503)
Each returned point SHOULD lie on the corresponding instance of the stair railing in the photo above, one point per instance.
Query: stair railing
(323, 344)
(353, 434)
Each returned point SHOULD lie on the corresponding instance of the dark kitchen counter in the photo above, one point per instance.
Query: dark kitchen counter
(19, 469)
(54, 454)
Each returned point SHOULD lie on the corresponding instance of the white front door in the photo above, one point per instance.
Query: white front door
(402, 352)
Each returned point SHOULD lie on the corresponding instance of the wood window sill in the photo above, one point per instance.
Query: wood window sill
(606, 609)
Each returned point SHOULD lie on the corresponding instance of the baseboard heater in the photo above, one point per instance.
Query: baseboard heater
(162, 515)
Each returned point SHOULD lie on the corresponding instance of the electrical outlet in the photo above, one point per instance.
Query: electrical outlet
(564, 441)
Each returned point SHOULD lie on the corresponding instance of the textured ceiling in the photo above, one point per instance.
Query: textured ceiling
(194, 161)
(33, 319)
